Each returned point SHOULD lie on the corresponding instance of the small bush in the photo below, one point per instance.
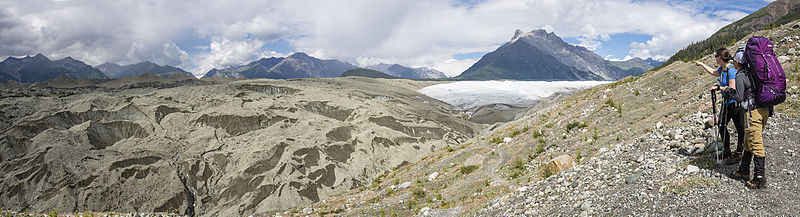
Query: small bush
(496, 140)
(575, 125)
(544, 172)
(540, 147)
(636, 92)
(610, 103)
(449, 148)
(468, 169)
(536, 134)
(418, 193)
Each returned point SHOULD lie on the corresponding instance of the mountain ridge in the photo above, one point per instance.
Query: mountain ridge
(575, 59)
(40, 68)
(113, 70)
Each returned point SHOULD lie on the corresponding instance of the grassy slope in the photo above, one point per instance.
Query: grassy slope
(619, 112)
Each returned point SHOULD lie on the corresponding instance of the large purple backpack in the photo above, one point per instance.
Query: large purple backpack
(766, 71)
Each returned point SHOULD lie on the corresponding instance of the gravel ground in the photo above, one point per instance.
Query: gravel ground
(652, 178)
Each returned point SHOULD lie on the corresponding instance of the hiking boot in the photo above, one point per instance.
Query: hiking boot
(758, 172)
(738, 176)
(756, 183)
(744, 166)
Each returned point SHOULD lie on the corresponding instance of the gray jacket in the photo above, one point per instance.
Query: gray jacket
(744, 90)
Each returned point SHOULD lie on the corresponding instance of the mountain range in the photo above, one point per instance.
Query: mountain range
(539, 55)
(113, 70)
(400, 71)
(536, 55)
(297, 65)
(40, 68)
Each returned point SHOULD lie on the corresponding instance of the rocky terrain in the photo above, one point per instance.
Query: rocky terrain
(209, 147)
(642, 145)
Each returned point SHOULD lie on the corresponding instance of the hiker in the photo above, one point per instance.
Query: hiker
(726, 75)
(758, 89)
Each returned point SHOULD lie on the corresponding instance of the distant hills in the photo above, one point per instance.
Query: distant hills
(298, 65)
(369, 73)
(113, 70)
(400, 71)
(539, 55)
(40, 68)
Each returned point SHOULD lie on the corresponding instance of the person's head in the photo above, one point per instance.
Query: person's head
(723, 56)
(738, 59)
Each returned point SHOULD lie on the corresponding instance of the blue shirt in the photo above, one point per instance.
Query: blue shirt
(724, 75)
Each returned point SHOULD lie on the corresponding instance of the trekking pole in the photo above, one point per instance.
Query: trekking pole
(716, 126)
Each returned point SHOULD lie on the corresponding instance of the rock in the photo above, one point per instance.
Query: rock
(670, 171)
(692, 169)
(633, 177)
(424, 211)
(404, 185)
(792, 51)
(697, 151)
(659, 125)
(796, 25)
(783, 59)
(507, 140)
(586, 205)
(559, 164)
(475, 160)
(433, 176)
(522, 189)
(393, 186)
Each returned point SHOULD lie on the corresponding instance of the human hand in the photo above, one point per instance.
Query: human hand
(698, 63)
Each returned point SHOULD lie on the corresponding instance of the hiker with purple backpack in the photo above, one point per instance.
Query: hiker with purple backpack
(760, 85)
(726, 76)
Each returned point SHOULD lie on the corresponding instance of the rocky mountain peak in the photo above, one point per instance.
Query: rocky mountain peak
(301, 56)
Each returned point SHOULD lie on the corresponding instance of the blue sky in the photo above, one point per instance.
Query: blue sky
(448, 35)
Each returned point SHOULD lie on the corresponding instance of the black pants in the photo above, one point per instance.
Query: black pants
(731, 111)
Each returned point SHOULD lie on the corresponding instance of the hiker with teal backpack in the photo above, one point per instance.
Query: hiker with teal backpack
(761, 86)
(726, 76)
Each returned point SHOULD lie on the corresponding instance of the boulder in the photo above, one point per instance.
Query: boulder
(433, 176)
(558, 164)
(784, 59)
(404, 185)
(692, 169)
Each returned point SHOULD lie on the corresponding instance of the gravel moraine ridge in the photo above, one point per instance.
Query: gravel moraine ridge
(654, 177)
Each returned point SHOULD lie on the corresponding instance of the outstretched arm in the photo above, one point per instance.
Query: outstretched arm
(709, 70)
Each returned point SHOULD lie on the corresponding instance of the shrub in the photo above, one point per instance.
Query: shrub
(536, 134)
(540, 147)
(496, 140)
(418, 193)
(468, 169)
(575, 125)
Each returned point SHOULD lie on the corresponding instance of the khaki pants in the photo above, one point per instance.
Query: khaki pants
(754, 141)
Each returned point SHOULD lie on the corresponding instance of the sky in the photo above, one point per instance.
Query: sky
(447, 35)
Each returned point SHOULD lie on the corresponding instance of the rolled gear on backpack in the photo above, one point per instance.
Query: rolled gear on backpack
(766, 71)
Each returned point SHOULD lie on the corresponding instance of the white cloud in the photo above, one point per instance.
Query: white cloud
(453, 67)
(226, 52)
(410, 32)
